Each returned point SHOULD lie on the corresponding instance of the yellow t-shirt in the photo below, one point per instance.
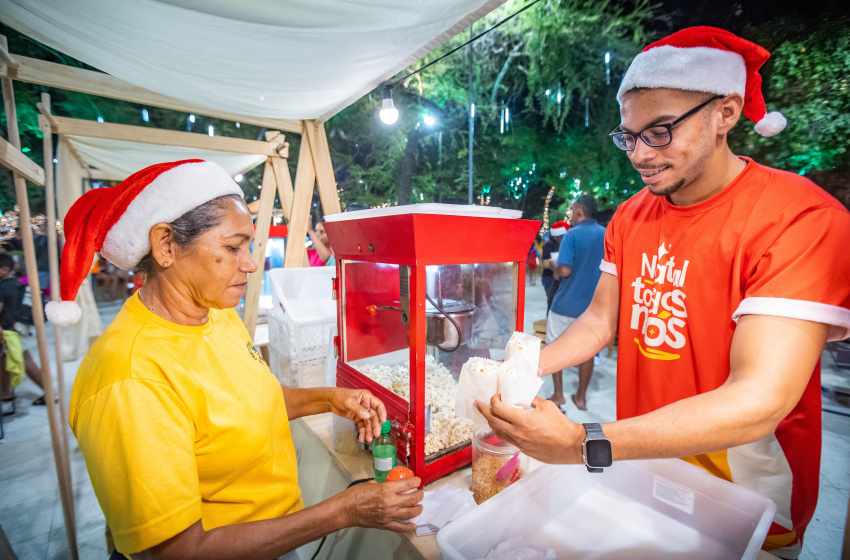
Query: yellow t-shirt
(180, 423)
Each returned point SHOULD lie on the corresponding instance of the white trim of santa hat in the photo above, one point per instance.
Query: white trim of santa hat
(706, 59)
(559, 228)
(116, 221)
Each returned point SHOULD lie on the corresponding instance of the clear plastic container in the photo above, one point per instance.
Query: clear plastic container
(495, 465)
(661, 509)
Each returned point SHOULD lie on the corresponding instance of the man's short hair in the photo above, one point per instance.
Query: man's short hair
(588, 206)
(7, 261)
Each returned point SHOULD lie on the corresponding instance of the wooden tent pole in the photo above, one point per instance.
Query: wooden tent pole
(60, 76)
(53, 256)
(261, 236)
(323, 166)
(38, 317)
(305, 178)
(284, 185)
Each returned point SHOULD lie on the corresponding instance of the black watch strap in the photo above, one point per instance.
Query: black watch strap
(593, 431)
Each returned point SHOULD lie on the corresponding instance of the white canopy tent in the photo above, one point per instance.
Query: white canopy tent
(293, 59)
(115, 160)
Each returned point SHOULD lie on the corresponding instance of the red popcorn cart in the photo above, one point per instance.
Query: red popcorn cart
(420, 289)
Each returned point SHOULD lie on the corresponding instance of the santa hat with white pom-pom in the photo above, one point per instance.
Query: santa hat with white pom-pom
(706, 59)
(116, 221)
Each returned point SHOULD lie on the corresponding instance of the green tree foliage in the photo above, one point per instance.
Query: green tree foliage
(807, 80)
(542, 68)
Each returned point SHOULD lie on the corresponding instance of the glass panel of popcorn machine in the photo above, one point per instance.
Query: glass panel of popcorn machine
(482, 296)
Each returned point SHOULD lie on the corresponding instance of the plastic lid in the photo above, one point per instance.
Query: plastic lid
(386, 427)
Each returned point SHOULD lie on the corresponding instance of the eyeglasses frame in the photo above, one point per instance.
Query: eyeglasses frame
(668, 126)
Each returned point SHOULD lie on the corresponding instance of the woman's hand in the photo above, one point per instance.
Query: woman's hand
(385, 505)
(363, 407)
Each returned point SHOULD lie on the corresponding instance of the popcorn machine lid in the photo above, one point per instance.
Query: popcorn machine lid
(423, 234)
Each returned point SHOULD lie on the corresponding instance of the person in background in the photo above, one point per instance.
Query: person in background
(18, 360)
(322, 253)
(582, 249)
(548, 276)
(533, 259)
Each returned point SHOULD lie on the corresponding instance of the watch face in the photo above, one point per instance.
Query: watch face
(599, 453)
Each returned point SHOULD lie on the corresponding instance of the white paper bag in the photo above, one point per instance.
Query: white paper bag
(479, 379)
(516, 386)
(523, 350)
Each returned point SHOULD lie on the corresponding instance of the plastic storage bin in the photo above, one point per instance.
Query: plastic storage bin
(635, 510)
(301, 324)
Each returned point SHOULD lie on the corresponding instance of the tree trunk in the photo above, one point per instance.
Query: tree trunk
(407, 164)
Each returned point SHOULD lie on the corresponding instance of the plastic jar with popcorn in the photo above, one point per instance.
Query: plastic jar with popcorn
(495, 465)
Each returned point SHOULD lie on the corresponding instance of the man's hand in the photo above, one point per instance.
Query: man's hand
(544, 433)
(363, 407)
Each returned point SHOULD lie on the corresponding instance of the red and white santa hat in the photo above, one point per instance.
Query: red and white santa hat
(116, 221)
(706, 59)
(559, 228)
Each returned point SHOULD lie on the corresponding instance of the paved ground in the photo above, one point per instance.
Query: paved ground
(31, 514)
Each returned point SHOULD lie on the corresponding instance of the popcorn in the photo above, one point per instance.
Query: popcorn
(446, 430)
(523, 350)
(440, 391)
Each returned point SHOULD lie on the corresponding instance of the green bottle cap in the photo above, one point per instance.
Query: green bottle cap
(386, 427)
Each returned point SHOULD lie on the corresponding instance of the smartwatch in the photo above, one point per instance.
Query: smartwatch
(596, 449)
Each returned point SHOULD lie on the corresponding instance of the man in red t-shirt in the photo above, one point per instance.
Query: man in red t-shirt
(724, 279)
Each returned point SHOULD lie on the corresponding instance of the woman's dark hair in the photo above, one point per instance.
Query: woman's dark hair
(190, 226)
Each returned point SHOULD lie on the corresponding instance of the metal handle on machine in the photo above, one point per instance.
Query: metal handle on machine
(449, 317)
(373, 309)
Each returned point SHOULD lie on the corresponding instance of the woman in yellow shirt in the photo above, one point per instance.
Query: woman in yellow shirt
(184, 430)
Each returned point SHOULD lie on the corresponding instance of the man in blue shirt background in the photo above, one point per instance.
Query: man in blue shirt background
(582, 250)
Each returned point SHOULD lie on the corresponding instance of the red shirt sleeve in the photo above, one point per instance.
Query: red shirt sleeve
(613, 246)
(805, 273)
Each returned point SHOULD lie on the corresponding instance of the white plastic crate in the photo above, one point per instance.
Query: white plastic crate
(635, 510)
(278, 367)
(305, 375)
(295, 290)
(304, 310)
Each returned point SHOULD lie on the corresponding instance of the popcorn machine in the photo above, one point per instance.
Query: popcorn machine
(419, 290)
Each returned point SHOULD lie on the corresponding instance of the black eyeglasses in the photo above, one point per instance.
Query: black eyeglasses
(654, 136)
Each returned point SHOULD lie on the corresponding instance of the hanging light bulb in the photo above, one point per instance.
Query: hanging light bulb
(389, 114)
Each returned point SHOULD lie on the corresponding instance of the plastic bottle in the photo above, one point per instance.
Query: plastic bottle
(384, 453)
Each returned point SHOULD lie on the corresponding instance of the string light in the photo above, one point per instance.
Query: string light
(451, 52)
(10, 222)
(545, 226)
(388, 114)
